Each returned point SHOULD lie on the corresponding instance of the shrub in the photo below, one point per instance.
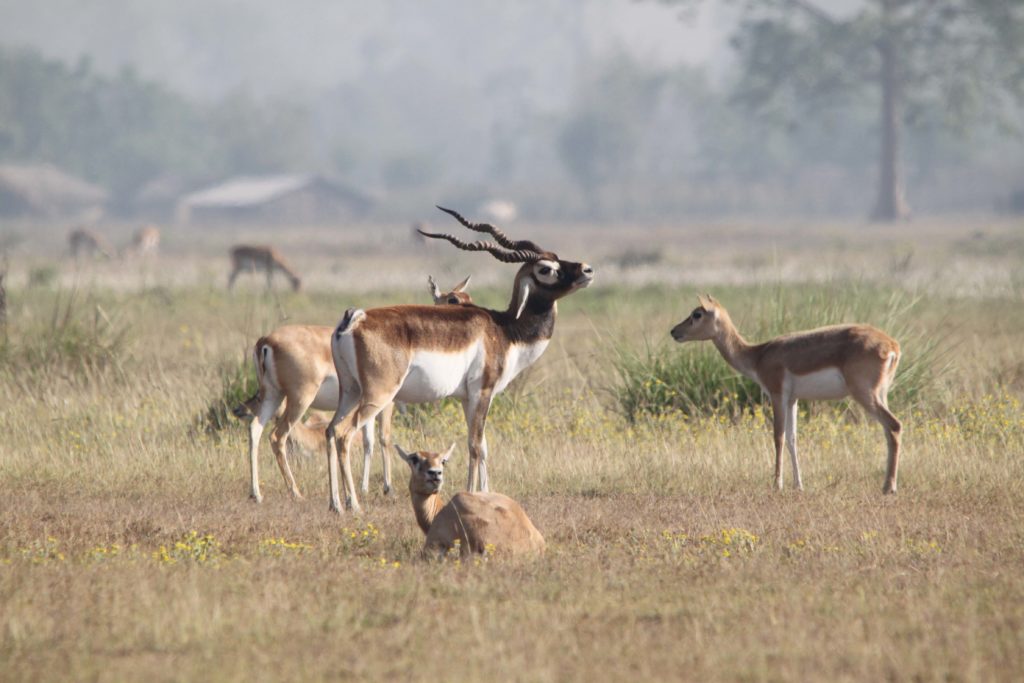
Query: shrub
(71, 343)
(237, 384)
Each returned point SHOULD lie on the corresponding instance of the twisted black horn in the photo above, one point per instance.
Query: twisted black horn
(518, 256)
(502, 239)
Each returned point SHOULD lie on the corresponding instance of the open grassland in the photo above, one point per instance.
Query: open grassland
(128, 548)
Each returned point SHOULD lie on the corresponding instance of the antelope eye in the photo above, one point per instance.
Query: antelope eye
(696, 315)
(545, 271)
(453, 300)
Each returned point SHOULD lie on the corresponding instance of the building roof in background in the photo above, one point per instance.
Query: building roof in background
(247, 191)
(45, 189)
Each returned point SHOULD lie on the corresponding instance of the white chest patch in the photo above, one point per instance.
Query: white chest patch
(519, 357)
(434, 375)
(823, 384)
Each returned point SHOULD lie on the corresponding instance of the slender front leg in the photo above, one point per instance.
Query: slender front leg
(475, 409)
(779, 429)
(791, 414)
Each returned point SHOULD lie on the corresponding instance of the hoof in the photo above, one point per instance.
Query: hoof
(256, 498)
(387, 490)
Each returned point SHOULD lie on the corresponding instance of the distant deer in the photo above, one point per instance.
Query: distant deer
(825, 363)
(84, 242)
(145, 242)
(475, 522)
(295, 372)
(250, 258)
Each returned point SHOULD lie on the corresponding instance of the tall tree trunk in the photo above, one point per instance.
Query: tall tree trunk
(892, 203)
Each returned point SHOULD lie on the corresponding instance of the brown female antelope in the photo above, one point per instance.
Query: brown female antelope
(826, 363)
(471, 521)
(145, 242)
(295, 372)
(250, 258)
(416, 354)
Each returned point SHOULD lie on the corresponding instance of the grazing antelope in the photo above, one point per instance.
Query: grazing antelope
(825, 363)
(471, 521)
(88, 243)
(145, 242)
(250, 258)
(415, 354)
(295, 372)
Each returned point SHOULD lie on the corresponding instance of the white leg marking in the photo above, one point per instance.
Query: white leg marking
(791, 413)
(368, 438)
(259, 421)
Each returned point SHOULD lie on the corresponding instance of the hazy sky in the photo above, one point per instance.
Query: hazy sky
(207, 47)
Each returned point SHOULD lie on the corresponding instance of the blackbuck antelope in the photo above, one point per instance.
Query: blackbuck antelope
(296, 373)
(250, 258)
(145, 242)
(473, 522)
(83, 242)
(825, 363)
(415, 354)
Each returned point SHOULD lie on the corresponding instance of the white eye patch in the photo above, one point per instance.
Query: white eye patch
(546, 272)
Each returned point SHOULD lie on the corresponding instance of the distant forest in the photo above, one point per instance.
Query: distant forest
(635, 141)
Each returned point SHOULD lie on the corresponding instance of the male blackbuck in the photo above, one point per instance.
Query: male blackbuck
(473, 522)
(825, 363)
(250, 258)
(83, 242)
(295, 372)
(415, 354)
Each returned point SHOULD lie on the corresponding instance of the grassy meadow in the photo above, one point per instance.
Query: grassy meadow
(129, 549)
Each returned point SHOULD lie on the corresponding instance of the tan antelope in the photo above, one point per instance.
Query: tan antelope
(145, 242)
(825, 363)
(84, 242)
(473, 522)
(296, 373)
(250, 258)
(416, 354)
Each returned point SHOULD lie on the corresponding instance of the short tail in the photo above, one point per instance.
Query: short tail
(261, 359)
(349, 322)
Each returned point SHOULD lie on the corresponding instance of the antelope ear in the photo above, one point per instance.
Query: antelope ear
(524, 295)
(448, 453)
(408, 457)
(434, 290)
(462, 285)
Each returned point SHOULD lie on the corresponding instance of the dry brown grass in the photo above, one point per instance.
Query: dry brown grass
(669, 557)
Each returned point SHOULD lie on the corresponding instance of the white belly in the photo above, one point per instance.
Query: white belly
(434, 375)
(327, 394)
(823, 384)
(519, 357)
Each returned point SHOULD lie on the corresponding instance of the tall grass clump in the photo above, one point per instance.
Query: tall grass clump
(76, 340)
(693, 379)
(237, 384)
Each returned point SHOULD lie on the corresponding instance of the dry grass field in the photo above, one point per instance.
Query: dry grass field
(129, 550)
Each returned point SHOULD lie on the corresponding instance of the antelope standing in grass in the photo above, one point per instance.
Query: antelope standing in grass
(88, 243)
(825, 363)
(416, 354)
(472, 521)
(250, 258)
(295, 372)
(145, 242)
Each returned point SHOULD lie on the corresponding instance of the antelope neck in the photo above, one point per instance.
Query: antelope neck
(537, 322)
(734, 348)
(426, 506)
